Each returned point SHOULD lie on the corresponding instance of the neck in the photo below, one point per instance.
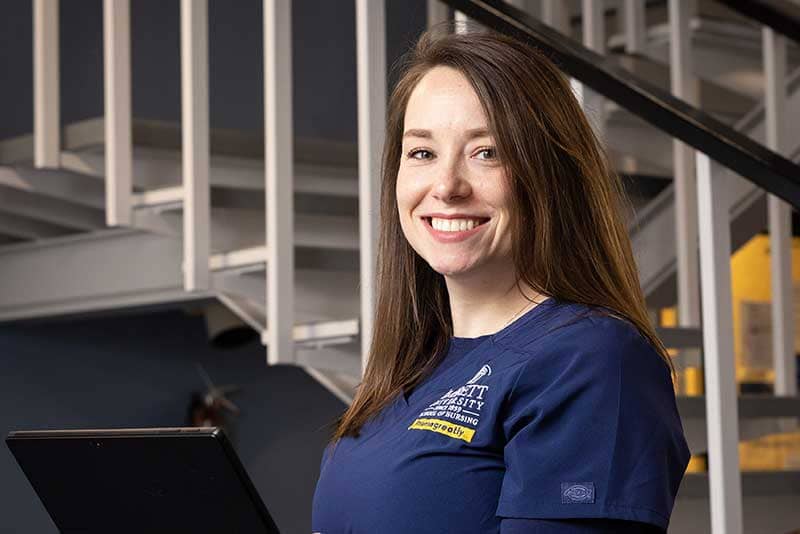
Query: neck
(481, 307)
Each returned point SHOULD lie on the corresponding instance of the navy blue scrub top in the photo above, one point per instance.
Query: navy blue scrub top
(564, 413)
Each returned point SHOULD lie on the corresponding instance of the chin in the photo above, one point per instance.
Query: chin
(450, 269)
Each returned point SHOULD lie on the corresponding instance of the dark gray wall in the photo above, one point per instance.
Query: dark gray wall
(323, 41)
(139, 371)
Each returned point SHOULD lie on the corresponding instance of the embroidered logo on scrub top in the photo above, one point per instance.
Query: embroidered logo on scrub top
(456, 413)
(577, 492)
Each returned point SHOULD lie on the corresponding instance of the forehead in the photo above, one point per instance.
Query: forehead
(444, 100)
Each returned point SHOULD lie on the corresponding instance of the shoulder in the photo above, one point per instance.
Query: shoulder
(586, 343)
(579, 330)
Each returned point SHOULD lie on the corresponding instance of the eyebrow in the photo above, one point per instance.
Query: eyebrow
(426, 134)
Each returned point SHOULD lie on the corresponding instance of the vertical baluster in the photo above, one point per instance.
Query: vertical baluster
(555, 14)
(780, 222)
(46, 109)
(461, 19)
(594, 37)
(119, 143)
(635, 26)
(438, 12)
(722, 418)
(195, 147)
(684, 86)
(279, 171)
(371, 57)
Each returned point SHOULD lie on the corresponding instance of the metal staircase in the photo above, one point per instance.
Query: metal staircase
(63, 214)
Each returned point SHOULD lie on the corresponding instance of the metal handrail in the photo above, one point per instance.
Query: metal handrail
(753, 161)
(780, 15)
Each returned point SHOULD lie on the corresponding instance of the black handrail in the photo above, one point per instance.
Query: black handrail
(780, 15)
(751, 160)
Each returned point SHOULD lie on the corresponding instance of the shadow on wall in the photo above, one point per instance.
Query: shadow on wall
(140, 371)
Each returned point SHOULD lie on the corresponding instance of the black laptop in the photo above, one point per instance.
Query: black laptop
(148, 480)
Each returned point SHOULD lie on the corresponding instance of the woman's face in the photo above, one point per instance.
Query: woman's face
(452, 192)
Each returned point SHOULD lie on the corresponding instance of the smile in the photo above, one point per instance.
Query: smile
(453, 230)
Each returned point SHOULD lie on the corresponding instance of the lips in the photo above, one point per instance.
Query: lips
(481, 218)
(453, 237)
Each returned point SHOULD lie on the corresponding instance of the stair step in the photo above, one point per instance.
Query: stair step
(61, 184)
(680, 337)
(750, 406)
(341, 385)
(322, 333)
(769, 503)
(166, 196)
(240, 260)
(754, 483)
(27, 228)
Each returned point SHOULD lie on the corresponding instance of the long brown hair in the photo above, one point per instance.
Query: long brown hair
(570, 240)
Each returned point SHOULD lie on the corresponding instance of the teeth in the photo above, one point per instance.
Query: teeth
(454, 225)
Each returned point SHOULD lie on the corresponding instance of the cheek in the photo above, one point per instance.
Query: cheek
(404, 206)
(407, 196)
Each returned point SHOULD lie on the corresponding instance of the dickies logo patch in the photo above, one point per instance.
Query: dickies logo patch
(577, 492)
(456, 413)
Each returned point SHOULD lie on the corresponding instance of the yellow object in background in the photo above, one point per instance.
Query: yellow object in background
(697, 464)
(693, 383)
(750, 283)
(751, 293)
(774, 452)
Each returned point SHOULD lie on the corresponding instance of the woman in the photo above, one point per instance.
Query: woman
(515, 383)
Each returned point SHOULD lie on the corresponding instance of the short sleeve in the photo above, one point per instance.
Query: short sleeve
(592, 429)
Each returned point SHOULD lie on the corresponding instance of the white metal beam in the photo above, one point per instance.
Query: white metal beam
(119, 144)
(239, 259)
(684, 87)
(195, 145)
(371, 55)
(172, 196)
(87, 272)
(594, 38)
(555, 14)
(780, 220)
(46, 108)
(92, 271)
(720, 377)
(279, 156)
(635, 26)
(438, 12)
(593, 23)
(461, 19)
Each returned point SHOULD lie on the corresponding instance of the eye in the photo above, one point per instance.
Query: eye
(491, 150)
(412, 154)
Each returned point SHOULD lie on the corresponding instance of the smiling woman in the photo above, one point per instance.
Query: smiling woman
(515, 383)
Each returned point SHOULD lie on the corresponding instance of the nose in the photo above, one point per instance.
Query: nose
(450, 183)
